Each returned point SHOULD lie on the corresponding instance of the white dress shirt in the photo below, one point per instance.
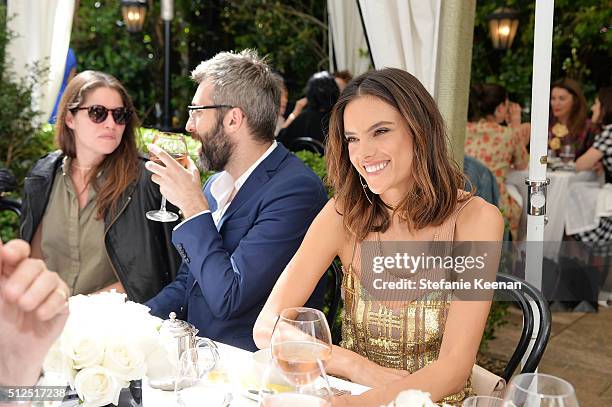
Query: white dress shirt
(224, 189)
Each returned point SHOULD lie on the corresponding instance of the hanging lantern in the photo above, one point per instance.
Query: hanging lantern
(503, 24)
(134, 12)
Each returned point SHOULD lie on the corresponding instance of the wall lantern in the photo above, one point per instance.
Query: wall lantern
(503, 24)
(134, 13)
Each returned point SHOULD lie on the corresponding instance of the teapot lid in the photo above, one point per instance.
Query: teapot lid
(177, 327)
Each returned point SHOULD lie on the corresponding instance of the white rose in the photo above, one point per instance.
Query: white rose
(56, 361)
(412, 398)
(159, 364)
(85, 351)
(125, 361)
(97, 386)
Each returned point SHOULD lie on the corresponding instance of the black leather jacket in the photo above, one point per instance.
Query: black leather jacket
(140, 250)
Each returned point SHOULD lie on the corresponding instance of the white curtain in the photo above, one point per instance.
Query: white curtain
(348, 46)
(404, 34)
(42, 30)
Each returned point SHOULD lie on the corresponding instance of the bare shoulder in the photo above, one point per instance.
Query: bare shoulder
(328, 224)
(479, 220)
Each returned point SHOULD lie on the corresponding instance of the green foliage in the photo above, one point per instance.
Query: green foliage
(581, 47)
(292, 32)
(498, 316)
(21, 143)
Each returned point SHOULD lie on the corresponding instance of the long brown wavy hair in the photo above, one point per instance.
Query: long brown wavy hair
(437, 178)
(120, 168)
(577, 122)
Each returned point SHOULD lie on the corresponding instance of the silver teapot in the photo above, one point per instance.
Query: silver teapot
(182, 337)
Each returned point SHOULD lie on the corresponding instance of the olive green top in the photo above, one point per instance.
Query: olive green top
(72, 239)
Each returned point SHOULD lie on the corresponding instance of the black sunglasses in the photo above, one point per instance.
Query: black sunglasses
(98, 114)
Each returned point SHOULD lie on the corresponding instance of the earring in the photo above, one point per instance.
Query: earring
(365, 187)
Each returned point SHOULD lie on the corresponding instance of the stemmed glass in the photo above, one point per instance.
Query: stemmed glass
(568, 153)
(539, 390)
(301, 346)
(175, 145)
(482, 401)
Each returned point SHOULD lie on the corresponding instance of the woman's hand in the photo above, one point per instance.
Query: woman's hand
(514, 114)
(359, 369)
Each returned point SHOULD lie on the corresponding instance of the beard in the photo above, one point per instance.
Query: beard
(216, 148)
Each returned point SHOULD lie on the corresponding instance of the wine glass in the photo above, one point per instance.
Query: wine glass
(301, 346)
(539, 390)
(175, 145)
(568, 153)
(275, 391)
(482, 401)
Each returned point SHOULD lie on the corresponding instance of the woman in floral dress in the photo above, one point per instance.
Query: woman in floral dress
(498, 147)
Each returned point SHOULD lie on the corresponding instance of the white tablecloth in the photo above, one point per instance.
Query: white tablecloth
(556, 202)
(233, 362)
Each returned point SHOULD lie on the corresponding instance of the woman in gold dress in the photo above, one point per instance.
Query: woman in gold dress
(394, 180)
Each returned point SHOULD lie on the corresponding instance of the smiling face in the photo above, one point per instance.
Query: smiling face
(380, 147)
(561, 102)
(96, 140)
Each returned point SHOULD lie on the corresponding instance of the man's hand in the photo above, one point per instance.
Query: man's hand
(181, 186)
(33, 311)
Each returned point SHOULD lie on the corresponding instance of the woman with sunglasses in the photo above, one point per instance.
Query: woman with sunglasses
(84, 205)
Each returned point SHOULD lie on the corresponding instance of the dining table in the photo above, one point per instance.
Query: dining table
(227, 383)
(556, 199)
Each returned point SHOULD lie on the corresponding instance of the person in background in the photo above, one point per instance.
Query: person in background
(569, 125)
(601, 151)
(498, 147)
(342, 79)
(33, 312)
(321, 94)
(241, 230)
(84, 205)
(394, 180)
(284, 99)
(69, 72)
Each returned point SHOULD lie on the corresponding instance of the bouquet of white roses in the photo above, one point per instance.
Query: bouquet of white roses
(106, 343)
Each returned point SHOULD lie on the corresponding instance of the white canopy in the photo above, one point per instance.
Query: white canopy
(347, 46)
(404, 34)
(43, 34)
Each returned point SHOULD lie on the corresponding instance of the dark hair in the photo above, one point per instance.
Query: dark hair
(605, 99)
(345, 75)
(321, 91)
(578, 115)
(484, 99)
(437, 178)
(121, 166)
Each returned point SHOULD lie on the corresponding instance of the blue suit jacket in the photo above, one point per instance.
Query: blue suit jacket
(227, 275)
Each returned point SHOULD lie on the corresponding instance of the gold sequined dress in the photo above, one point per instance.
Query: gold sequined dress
(407, 336)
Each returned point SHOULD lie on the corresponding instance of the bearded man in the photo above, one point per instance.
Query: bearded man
(240, 232)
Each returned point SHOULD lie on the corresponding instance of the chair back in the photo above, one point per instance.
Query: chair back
(535, 308)
(8, 183)
(336, 285)
(307, 143)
